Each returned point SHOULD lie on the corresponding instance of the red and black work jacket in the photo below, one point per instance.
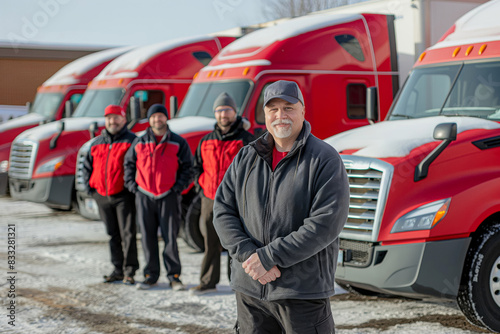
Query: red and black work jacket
(154, 168)
(103, 165)
(215, 153)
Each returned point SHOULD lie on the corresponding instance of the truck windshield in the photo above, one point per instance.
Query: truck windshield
(46, 104)
(200, 98)
(471, 89)
(94, 101)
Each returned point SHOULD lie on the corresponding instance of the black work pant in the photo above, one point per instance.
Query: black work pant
(290, 316)
(118, 213)
(210, 265)
(165, 214)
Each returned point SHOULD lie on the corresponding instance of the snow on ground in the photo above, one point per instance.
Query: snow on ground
(61, 257)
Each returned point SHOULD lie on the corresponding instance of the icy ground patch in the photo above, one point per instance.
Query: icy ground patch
(61, 257)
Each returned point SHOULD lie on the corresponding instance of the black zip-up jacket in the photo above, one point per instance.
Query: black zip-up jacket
(291, 216)
(215, 153)
(103, 165)
(155, 169)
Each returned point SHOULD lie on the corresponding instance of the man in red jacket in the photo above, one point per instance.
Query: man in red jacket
(103, 177)
(157, 169)
(214, 154)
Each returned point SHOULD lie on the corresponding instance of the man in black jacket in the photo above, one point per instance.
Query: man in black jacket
(279, 211)
(214, 154)
(103, 177)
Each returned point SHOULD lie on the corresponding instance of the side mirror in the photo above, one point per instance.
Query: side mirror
(445, 131)
(60, 129)
(135, 108)
(371, 105)
(173, 106)
(135, 111)
(93, 129)
(68, 109)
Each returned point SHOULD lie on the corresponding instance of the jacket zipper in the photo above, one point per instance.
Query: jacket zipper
(153, 165)
(106, 169)
(265, 236)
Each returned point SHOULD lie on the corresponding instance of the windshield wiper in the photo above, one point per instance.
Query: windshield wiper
(400, 115)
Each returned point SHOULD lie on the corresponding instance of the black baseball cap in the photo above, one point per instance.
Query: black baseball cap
(283, 89)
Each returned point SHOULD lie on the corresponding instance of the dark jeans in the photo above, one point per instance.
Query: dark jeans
(290, 316)
(118, 213)
(164, 213)
(210, 266)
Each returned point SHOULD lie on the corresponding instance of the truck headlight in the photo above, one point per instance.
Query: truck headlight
(4, 166)
(422, 218)
(50, 166)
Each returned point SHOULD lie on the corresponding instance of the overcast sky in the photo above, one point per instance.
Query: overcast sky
(120, 22)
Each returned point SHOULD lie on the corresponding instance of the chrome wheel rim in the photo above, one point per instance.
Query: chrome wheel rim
(495, 281)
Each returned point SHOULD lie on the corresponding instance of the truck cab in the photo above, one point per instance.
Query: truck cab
(43, 160)
(64, 88)
(336, 59)
(424, 217)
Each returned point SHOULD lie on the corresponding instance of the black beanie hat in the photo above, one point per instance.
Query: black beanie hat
(224, 99)
(157, 108)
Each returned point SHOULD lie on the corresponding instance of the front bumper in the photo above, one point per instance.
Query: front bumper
(55, 192)
(431, 269)
(87, 206)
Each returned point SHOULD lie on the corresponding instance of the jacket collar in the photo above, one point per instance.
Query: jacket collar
(235, 128)
(151, 135)
(264, 145)
(111, 138)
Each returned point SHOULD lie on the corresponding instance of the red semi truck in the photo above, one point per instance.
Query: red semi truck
(66, 85)
(424, 218)
(43, 159)
(337, 59)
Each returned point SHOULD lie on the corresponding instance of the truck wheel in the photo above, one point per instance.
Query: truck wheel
(479, 292)
(192, 233)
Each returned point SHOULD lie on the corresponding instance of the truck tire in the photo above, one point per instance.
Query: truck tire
(479, 292)
(192, 233)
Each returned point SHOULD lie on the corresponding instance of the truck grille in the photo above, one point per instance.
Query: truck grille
(360, 252)
(22, 158)
(369, 181)
(79, 186)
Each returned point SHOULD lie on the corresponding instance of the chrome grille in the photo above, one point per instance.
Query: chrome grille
(22, 158)
(79, 165)
(369, 181)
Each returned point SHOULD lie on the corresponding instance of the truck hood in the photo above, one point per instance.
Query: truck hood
(70, 124)
(184, 125)
(21, 121)
(398, 138)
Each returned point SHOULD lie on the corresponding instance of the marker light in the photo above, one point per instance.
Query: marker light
(469, 50)
(457, 50)
(422, 218)
(422, 56)
(481, 50)
(246, 70)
